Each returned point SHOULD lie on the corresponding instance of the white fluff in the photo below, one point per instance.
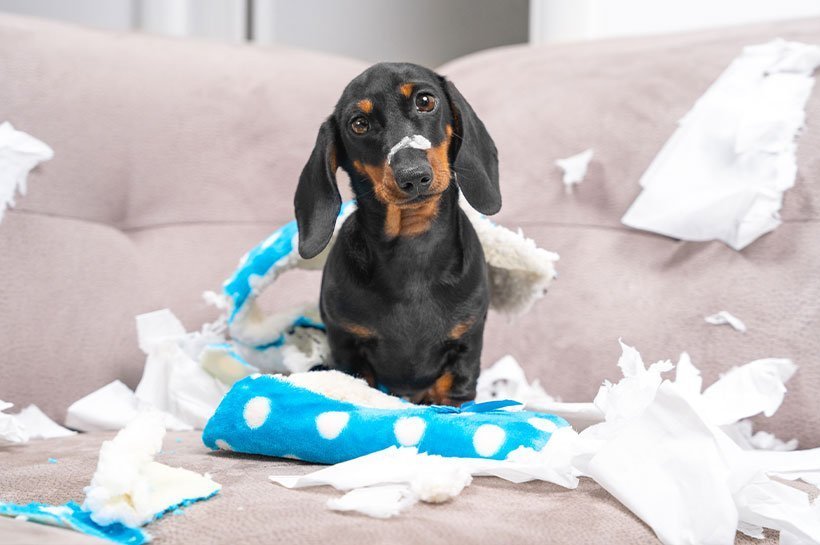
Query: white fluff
(130, 487)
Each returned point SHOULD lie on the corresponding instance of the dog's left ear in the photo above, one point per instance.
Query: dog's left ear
(473, 155)
(317, 201)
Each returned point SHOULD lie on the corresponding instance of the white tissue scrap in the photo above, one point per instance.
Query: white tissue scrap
(30, 423)
(664, 436)
(575, 168)
(726, 318)
(416, 141)
(669, 452)
(722, 174)
(12, 431)
(742, 433)
(40, 426)
(432, 478)
(380, 502)
(19, 153)
(173, 381)
(757, 387)
(130, 487)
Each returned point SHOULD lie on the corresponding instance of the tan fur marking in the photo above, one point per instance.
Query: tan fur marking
(334, 164)
(406, 89)
(410, 220)
(440, 392)
(365, 105)
(460, 329)
(359, 330)
(439, 159)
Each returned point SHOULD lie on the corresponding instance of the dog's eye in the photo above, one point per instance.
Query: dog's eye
(359, 125)
(425, 102)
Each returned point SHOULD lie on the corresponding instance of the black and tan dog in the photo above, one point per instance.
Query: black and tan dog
(405, 290)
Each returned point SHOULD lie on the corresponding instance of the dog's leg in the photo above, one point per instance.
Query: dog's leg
(458, 383)
(347, 355)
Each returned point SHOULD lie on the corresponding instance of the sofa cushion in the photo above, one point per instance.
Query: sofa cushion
(252, 510)
(623, 98)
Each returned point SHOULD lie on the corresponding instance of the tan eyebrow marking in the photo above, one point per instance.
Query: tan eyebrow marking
(406, 89)
(365, 105)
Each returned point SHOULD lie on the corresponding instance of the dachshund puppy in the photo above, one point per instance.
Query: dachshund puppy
(405, 290)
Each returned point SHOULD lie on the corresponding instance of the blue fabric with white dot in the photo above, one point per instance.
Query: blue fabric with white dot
(268, 415)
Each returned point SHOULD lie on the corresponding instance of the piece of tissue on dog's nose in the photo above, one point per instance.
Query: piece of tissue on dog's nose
(575, 168)
(416, 141)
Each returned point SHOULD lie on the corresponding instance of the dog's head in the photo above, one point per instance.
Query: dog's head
(402, 133)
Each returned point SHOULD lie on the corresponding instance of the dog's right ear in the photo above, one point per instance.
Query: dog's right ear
(317, 199)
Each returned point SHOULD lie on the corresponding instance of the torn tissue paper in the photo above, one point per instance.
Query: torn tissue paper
(173, 381)
(660, 447)
(30, 423)
(40, 426)
(575, 168)
(12, 431)
(19, 153)
(722, 174)
(726, 318)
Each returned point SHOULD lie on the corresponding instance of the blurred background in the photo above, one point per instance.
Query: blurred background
(428, 32)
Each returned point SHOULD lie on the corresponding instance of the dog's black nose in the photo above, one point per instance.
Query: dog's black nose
(413, 179)
(412, 171)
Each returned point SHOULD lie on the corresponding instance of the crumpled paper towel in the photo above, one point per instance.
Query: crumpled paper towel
(722, 174)
(19, 153)
(659, 448)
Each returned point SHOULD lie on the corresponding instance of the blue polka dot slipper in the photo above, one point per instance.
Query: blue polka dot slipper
(330, 417)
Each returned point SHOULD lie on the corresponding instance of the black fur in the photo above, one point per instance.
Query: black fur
(407, 292)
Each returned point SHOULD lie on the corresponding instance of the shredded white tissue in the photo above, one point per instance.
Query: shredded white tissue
(575, 168)
(130, 487)
(19, 153)
(416, 141)
(745, 391)
(663, 450)
(381, 502)
(12, 432)
(722, 174)
(39, 425)
(173, 381)
(742, 433)
(726, 318)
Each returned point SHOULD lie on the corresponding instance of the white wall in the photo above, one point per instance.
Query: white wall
(114, 14)
(427, 32)
(571, 20)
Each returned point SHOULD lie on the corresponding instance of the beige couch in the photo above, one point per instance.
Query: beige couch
(174, 157)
